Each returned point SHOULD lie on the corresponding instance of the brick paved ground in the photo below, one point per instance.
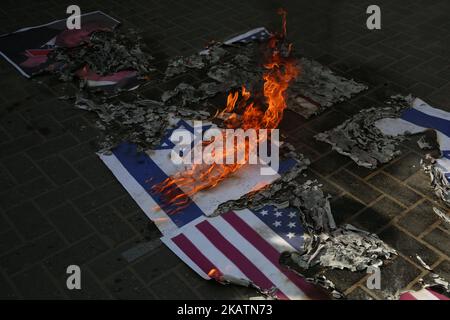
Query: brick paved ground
(59, 205)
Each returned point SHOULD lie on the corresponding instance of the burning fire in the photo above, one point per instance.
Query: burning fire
(240, 112)
(215, 274)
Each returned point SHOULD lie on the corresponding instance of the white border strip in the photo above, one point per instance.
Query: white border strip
(139, 194)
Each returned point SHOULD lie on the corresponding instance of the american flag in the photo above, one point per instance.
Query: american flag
(423, 294)
(246, 245)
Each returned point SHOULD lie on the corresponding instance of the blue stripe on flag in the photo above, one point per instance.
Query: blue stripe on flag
(446, 154)
(147, 173)
(424, 120)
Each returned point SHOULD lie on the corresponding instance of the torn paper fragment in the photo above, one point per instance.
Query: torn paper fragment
(423, 263)
(259, 33)
(444, 216)
(243, 247)
(303, 106)
(439, 172)
(345, 248)
(109, 60)
(428, 141)
(328, 285)
(321, 87)
(438, 281)
(365, 137)
(143, 122)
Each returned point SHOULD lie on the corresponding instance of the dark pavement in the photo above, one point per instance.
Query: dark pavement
(59, 205)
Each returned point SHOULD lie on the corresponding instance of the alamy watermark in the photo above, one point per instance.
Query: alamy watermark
(374, 20)
(227, 146)
(374, 280)
(73, 281)
(74, 20)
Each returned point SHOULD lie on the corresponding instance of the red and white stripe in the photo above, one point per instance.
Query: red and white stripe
(423, 294)
(241, 246)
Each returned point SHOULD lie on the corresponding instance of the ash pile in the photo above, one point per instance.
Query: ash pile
(360, 139)
(439, 181)
(118, 56)
(140, 121)
(226, 67)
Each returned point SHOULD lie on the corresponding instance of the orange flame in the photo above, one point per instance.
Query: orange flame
(280, 70)
(215, 274)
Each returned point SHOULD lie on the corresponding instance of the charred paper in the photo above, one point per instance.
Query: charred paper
(325, 244)
(143, 122)
(318, 88)
(227, 67)
(438, 179)
(360, 138)
(106, 53)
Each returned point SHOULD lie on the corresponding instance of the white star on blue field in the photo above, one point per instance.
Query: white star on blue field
(285, 223)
